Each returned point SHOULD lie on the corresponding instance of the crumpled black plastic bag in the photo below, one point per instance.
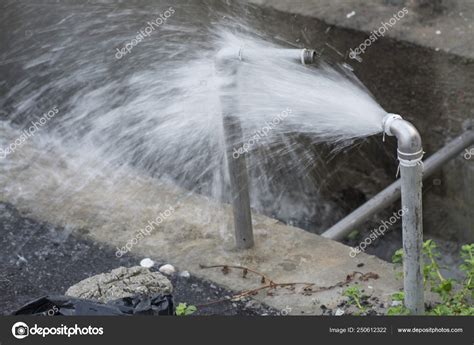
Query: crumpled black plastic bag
(65, 305)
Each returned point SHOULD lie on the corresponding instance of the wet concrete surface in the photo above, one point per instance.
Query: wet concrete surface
(38, 259)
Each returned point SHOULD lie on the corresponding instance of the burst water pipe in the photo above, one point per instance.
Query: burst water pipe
(410, 153)
(390, 194)
(227, 64)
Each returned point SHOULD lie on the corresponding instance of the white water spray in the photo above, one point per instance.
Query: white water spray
(159, 113)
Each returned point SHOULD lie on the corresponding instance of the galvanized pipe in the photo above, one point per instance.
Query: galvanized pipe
(227, 66)
(392, 193)
(410, 153)
(303, 56)
(412, 234)
(227, 69)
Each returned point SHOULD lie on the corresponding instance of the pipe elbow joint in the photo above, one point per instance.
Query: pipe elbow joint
(409, 140)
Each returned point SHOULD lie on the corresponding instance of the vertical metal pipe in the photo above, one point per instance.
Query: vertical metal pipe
(410, 153)
(227, 69)
(238, 182)
(412, 224)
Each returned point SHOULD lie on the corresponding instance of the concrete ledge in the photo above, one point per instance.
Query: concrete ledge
(441, 25)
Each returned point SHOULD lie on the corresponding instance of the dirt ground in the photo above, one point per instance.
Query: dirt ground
(35, 262)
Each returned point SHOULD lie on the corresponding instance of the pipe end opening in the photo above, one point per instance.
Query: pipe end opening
(308, 56)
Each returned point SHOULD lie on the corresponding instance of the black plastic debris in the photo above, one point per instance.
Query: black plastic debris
(64, 305)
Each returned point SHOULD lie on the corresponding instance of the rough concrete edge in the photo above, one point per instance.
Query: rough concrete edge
(413, 32)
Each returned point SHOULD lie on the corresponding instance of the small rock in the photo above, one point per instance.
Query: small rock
(396, 303)
(213, 286)
(167, 269)
(21, 260)
(185, 274)
(350, 14)
(251, 304)
(438, 32)
(121, 282)
(339, 312)
(147, 263)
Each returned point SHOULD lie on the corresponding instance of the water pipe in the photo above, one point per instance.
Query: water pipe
(303, 56)
(410, 154)
(227, 65)
(409, 186)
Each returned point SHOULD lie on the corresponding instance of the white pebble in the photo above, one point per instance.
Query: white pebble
(147, 262)
(339, 312)
(167, 269)
(396, 303)
(185, 274)
(21, 260)
(351, 14)
(438, 32)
